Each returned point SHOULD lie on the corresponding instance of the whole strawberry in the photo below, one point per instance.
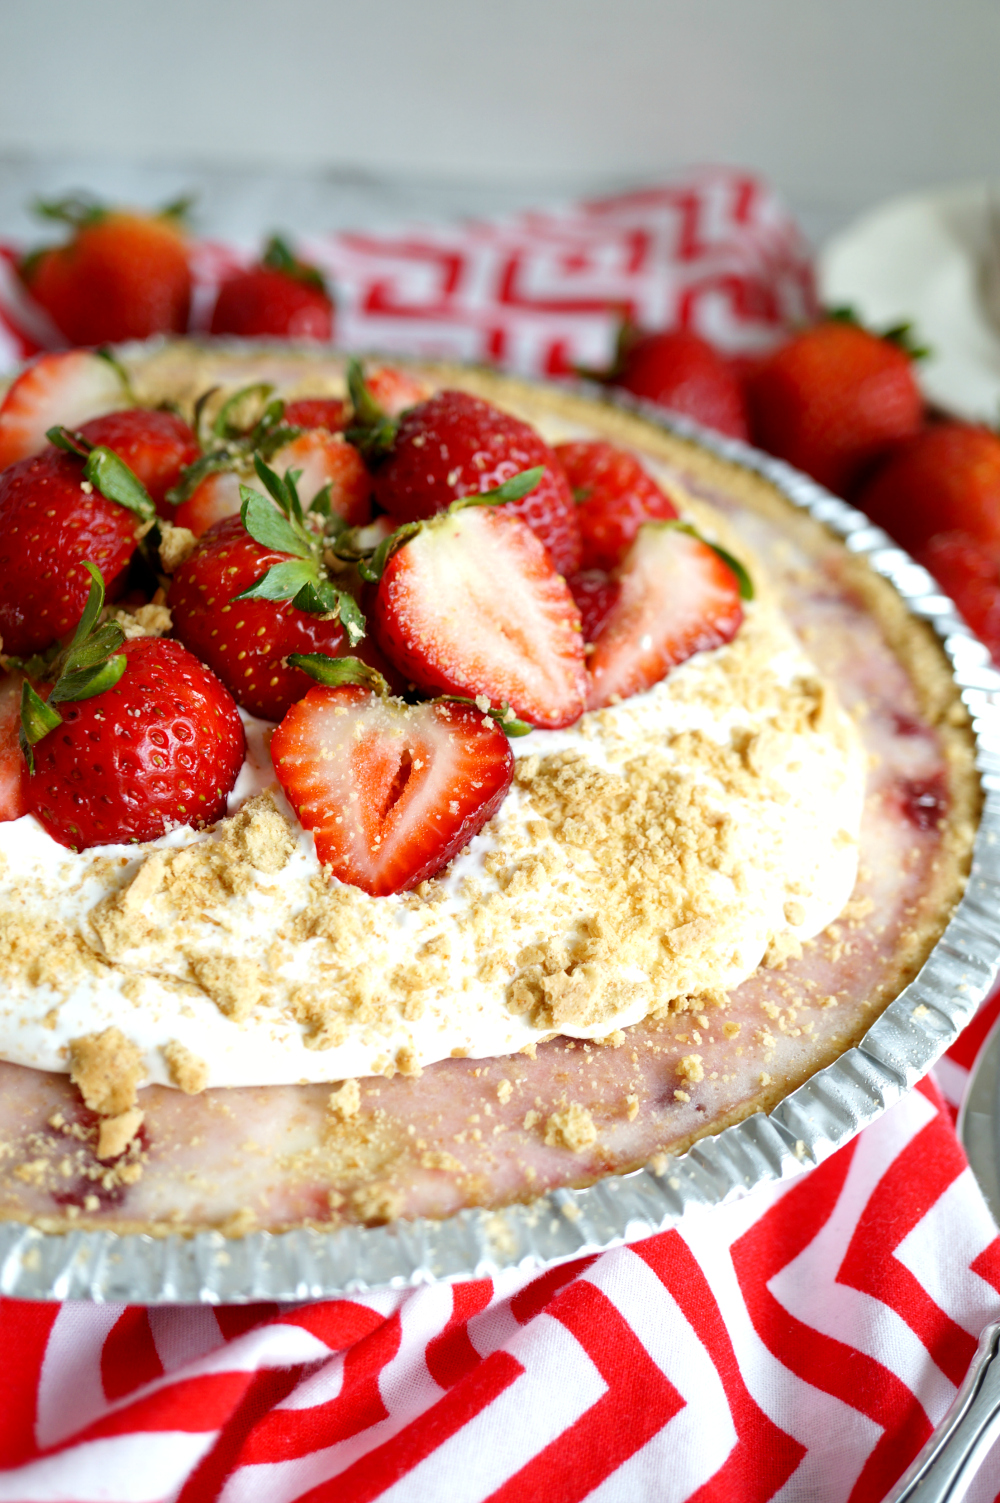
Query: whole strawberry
(130, 740)
(969, 571)
(453, 445)
(52, 518)
(834, 399)
(614, 496)
(678, 369)
(280, 297)
(254, 590)
(121, 275)
(946, 479)
(155, 445)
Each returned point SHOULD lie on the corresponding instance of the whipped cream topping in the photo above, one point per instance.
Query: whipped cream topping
(656, 850)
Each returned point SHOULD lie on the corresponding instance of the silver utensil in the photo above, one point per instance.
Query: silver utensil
(945, 1468)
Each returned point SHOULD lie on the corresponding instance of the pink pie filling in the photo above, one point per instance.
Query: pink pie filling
(474, 1132)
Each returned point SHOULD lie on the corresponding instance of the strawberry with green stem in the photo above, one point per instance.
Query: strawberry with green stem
(257, 588)
(253, 421)
(122, 274)
(390, 791)
(280, 297)
(133, 738)
(453, 445)
(73, 501)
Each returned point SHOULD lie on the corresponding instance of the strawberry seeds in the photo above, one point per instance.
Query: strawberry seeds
(461, 595)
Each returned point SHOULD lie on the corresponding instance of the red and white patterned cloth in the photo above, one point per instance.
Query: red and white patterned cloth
(798, 1345)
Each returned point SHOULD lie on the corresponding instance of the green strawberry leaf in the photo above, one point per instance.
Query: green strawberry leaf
(743, 579)
(504, 716)
(193, 474)
(37, 720)
(267, 526)
(70, 443)
(117, 482)
(373, 431)
(372, 569)
(282, 581)
(511, 490)
(278, 256)
(320, 503)
(333, 672)
(91, 664)
(93, 650)
(88, 682)
(227, 426)
(93, 608)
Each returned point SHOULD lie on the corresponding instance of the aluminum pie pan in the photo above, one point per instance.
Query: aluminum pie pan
(806, 1127)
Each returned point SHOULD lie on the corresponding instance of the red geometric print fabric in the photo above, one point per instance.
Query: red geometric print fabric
(538, 292)
(798, 1345)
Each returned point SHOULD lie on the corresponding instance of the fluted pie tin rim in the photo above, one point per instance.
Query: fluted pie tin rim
(808, 1125)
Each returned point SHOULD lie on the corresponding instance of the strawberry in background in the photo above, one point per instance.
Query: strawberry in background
(122, 274)
(938, 495)
(677, 369)
(835, 398)
(279, 297)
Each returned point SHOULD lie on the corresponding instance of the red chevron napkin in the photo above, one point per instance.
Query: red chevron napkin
(800, 1344)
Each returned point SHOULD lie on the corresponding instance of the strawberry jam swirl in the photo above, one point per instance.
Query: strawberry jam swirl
(658, 849)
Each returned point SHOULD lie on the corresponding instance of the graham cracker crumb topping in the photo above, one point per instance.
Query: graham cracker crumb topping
(108, 1068)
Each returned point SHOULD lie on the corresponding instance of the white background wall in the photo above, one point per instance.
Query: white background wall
(841, 102)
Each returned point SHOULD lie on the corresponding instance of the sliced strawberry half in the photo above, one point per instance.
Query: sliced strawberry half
(390, 791)
(66, 388)
(321, 458)
(13, 768)
(473, 605)
(678, 597)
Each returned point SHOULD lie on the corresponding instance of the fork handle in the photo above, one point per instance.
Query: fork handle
(945, 1468)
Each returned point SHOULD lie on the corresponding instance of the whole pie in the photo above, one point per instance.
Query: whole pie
(551, 880)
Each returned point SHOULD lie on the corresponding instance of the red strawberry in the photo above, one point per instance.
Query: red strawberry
(395, 390)
(614, 495)
(162, 747)
(280, 297)
(321, 457)
(213, 500)
(678, 369)
(946, 479)
(67, 388)
(677, 597)
(968, 571)
(330, 413)
(156, 446)
(833, 399)
(472, 605)
(456, 445)
(122, 275)
(49, 524)
(390, 791)
(13, 769)
(245, 641)
(595, 593)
